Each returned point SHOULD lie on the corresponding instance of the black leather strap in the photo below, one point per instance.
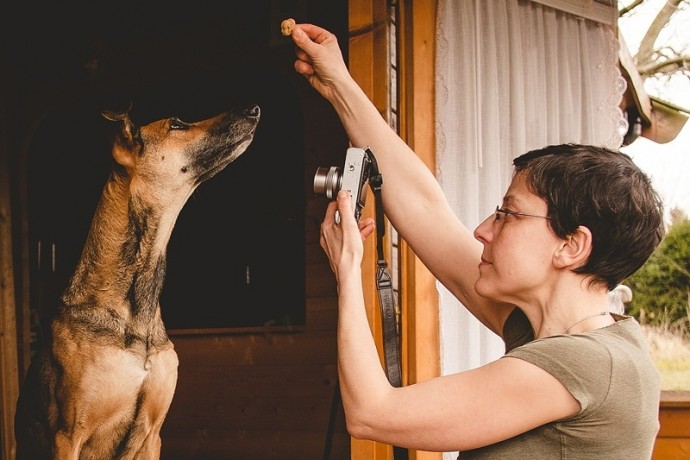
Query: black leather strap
(384, 286)
(391, 345)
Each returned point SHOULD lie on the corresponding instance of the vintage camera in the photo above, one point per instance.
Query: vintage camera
(354, 176)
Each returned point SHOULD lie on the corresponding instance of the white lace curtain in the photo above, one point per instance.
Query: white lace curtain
(511, 76)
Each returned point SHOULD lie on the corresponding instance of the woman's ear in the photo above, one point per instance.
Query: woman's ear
(574, 250)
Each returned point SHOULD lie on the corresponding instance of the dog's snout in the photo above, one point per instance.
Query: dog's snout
(253, 111)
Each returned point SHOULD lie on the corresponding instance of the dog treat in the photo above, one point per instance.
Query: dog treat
(287, 26)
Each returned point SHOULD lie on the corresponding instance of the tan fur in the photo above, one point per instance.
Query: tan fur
(102, 387)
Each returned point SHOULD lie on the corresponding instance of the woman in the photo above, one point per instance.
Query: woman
(576, 381)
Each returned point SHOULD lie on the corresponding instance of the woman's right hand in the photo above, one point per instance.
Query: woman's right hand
(342, 236)
(319, 58)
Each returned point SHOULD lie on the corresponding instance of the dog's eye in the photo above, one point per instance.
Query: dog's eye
(176, 123)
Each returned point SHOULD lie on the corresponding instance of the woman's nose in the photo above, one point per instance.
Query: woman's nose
(483, 230)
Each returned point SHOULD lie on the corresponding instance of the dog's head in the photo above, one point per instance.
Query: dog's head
(175, 155)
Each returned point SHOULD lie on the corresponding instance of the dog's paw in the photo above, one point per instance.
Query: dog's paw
(287, 26)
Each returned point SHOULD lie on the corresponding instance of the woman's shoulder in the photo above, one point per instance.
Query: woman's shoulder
(589, 363)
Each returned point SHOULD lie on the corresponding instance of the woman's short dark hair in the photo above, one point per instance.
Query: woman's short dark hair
(606, 192)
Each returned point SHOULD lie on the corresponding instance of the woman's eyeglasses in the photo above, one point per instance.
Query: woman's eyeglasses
(500, 212)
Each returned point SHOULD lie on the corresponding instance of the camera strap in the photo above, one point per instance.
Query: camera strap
(384, 285)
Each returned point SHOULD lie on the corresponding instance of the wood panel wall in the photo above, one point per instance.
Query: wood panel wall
(255, 396)
(673, 440)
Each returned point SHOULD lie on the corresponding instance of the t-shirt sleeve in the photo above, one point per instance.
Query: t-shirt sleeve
(581, 363)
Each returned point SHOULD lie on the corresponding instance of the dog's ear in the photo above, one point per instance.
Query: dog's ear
(128, 128)
(126, 139)
(130, 132)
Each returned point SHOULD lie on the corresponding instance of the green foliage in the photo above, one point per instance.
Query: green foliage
(661, 287)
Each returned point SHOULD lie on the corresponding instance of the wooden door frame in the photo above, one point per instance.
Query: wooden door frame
(368, 60)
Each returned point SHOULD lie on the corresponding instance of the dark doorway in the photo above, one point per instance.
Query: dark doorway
(236, 255)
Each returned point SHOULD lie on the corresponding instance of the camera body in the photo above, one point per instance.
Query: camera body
(353, 176)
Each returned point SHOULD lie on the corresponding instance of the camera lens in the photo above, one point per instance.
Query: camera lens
(327, 181)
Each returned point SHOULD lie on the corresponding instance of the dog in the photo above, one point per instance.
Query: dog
(102, 386)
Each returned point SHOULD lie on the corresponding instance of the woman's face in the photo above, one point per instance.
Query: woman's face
(519, 246)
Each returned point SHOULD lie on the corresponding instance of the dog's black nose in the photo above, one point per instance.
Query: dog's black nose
(253, 111)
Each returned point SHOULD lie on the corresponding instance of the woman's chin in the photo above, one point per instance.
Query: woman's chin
(484, 289)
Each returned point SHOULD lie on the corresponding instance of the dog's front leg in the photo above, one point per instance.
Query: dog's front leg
(67, 445)
(72, 426)
(157, 393)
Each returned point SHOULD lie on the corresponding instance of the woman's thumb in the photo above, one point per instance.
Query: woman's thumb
(300, 37)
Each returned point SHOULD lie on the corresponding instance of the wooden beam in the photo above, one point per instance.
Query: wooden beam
(635, 83)
(420, 303)
(9, 372)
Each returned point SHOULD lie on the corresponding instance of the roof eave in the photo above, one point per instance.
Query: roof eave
(661, 120)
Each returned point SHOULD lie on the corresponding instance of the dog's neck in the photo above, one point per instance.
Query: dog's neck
(124, 259)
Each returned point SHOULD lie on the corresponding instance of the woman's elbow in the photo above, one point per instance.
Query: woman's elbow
(357, 427)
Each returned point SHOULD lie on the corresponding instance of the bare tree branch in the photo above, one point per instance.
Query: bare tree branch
(646, 49)
(627, 9)
(667, 63)
(665, 67)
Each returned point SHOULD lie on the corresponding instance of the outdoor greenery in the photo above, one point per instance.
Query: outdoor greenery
(671, 355)
(661, 287)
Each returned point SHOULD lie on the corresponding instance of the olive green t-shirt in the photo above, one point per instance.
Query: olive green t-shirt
(610, 372)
